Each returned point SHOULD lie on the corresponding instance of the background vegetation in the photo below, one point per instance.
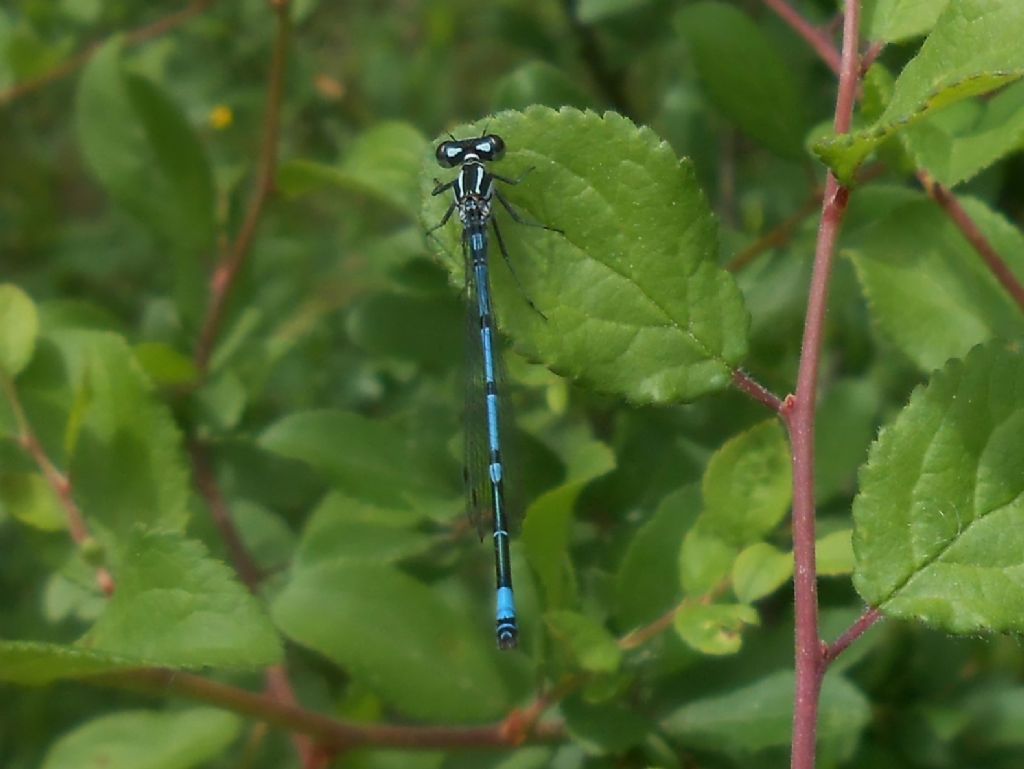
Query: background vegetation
(230, 503)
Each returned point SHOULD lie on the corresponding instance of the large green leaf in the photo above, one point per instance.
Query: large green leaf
(745, 76)
(146, 740)
(143, 151)
(893, 20)
(760, 716)
(35, 664)
(19, 325)
(973, 49)
(939, 521)
(632, 298)
(396, 636)
(928, 289)
(125, 448)
(176, 606)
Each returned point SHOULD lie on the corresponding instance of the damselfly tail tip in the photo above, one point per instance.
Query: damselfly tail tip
(507, 638)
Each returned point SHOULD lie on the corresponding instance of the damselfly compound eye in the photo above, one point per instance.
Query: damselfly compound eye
(449, 154)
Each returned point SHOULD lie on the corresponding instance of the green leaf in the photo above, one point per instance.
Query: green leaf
(396, 636)
(380, 325)
(367, 459)
(345, 529)
(716, 628)
(928, 290)
(19, 326)
(966, 138)
(745, 76)
(939, 517)
(143, 151)
(634, 301)
(647, 582)
(28, 498)
(538, 82)
(592, 11)
(760, 570)
(748, 485)
(973, 49)
(760, 716)
(704, 561)
(605, 728)
(146, 740)
(176, 606)
(35, 664)
(383, 162)
(835, 554)
(843, 430)
(125, 448)
(592, 646)
(165, 366)
(891, 21)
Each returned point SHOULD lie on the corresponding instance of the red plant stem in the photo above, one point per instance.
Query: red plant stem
(226, 273)
(947, 200)
(76, 62)
(866, 621)
(59, 483)
(817, 39)
(742, 381)
(326, 731)
(800, 418)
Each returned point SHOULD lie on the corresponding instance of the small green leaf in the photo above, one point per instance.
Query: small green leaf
(891, 21)
(973, 49)
(760, 570)
(835, 554)
(166, 366)
(647, 583)
(592, 11)
(35, 664)
(745, 76)
(19, 325)
(593, 647)
(176, 606)
(939, 517)
(760, 716)
(538, 82)
(367, 459)
(28, 498)
(704, 561)
(928, 290)
(716, 628)
(966, 138)
(632, 297)
(383, 162)
(146, 740)
(748, 485)
(396, 636)
(144, 152)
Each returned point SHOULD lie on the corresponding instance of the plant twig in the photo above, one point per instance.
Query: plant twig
(326, 731)
(226, 273)
(817, 39)
(864, 623)
(59, 483)
(970, 230)
(778, 236)
(800, 418)
(135, 37)
(742, 381)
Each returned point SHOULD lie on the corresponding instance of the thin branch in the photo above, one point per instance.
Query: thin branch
(866, 621)
(800, 418)
(326, 731)
(871, 56)
(226, 273)
(135, 37)
(817, 39)
(59, 483)
(970, 230)
(778, 236)
(742, 381)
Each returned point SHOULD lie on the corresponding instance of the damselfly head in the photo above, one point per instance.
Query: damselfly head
(456, 151)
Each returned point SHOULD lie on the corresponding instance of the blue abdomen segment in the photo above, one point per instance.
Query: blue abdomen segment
(507, 629)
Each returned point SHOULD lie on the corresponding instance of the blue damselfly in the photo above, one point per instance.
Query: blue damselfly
(473, 195)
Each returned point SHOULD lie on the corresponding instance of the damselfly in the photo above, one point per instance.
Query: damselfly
(474, 193)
